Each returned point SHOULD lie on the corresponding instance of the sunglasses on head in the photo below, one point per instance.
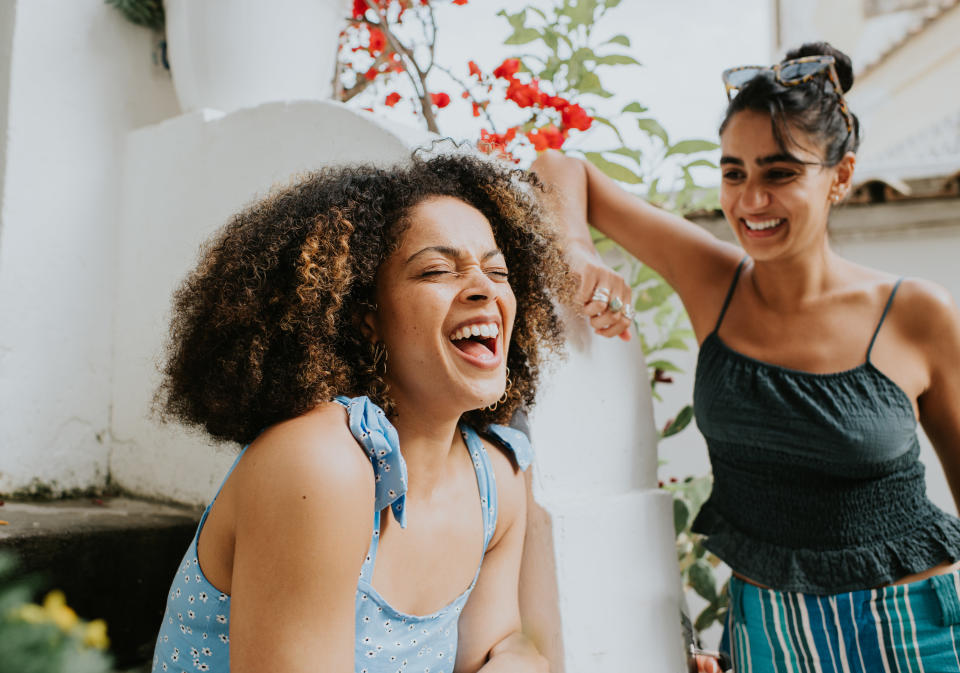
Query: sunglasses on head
(790, 73)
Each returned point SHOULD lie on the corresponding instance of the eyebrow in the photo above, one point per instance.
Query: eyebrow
(454, 253)
(782, 157)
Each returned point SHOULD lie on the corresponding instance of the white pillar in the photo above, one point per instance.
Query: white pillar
(600, 581)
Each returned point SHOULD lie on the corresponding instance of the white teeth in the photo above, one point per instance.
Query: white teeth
(766, 224)
(479, 329)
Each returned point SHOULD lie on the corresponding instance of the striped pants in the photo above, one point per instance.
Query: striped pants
(908, 628)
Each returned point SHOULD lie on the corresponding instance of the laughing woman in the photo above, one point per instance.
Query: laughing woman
(812, 375)
(363, 333)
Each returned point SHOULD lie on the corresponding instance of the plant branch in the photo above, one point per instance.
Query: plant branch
(449, 73)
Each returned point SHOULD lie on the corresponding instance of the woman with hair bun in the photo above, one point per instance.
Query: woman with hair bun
(364, 332)
(812, 375)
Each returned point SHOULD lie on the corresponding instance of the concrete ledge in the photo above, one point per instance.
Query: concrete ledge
(112, 560)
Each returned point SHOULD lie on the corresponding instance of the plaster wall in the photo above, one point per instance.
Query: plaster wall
(887, 95)
(77, 78)
(8, 12)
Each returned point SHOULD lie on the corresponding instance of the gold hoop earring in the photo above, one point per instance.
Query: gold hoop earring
(506, 393)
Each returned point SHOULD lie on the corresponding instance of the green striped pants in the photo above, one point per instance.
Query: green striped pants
(907, 628)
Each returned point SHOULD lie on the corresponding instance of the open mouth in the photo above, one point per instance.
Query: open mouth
(761, 228)
(477, 341)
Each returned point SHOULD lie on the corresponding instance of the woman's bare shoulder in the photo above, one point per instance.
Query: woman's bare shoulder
(511, 485)
(312, 453)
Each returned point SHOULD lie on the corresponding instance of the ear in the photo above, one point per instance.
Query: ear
(368, 326)
(843, 182)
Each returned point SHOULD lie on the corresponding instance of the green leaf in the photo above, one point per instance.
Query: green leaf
(652, 126)
(681, 516)
(619, 39)
(589, 82)
(675, 344)
(691, 147)
(644, 274)
(651, 297)
(680, 422)
(701, 162)
(634, 107)
(706, 618)
(581, 14)
(516, 21)
(702, 580)
(636, 155)
(617, 59)
(523, 36)
(612, 3)
(665, 365)
(614, 170)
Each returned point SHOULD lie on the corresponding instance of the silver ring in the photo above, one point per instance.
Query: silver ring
(615, 304)
(601, 294)
(628, 312)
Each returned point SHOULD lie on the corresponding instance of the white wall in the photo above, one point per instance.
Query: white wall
(80, 78)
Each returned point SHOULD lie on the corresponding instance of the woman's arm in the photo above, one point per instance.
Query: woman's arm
(689, 258)
(938, 323)
(490, 639)
(303, 524)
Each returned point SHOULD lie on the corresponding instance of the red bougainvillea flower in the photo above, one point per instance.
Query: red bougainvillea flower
(524, 95)
(371, 74)
(549, 137)
(508, 68)
(378, 41)
(441, 99)
(476, 110)
(392, 99)
(556, 102)
(359, 9)
(490, 142)
(474, 70)
(576, 117)
(460, 2)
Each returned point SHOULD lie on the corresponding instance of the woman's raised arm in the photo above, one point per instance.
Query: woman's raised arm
(689, 258)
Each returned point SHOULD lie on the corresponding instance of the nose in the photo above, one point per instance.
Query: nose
(754, 196)
(478, 287)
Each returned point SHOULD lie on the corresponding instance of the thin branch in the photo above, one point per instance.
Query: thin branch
(470, 94)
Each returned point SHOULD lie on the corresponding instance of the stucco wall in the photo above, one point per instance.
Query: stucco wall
(79, 78)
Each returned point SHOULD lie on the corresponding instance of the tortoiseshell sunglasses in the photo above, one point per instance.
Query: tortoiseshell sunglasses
(791, 73)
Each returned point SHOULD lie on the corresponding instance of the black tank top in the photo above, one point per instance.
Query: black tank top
(818, 486)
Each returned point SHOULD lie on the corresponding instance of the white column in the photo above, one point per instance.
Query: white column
(600, 582)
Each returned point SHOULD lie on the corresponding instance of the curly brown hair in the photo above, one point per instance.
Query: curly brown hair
(267, 326)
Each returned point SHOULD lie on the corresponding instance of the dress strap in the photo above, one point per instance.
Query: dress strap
(883, 317)
(733, 286)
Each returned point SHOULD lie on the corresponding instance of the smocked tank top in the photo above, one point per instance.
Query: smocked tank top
(195, 632)
(818, 486)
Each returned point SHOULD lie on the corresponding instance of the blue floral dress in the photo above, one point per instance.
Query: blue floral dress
(195, 633)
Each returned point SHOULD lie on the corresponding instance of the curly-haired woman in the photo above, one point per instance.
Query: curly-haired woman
(812, 374)
(363, 332)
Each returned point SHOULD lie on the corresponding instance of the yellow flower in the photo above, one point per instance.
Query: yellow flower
(95, 635)
(31, 613)
(55, 604)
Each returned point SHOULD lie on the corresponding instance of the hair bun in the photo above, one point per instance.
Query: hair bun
(842, 62)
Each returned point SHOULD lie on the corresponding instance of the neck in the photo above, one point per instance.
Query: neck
(786, 284)
(427, 441)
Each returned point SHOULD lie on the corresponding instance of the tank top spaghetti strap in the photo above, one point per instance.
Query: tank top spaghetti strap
(818, 486)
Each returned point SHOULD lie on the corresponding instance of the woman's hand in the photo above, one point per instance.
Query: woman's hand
(601, 291)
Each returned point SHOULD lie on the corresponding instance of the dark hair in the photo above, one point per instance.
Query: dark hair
(267, 326)
(812, 107)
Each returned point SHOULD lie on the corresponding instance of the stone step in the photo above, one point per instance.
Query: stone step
(114, 559)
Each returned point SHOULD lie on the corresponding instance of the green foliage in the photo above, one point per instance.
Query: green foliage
(148, 13)
(46, 638)
(697, 565)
